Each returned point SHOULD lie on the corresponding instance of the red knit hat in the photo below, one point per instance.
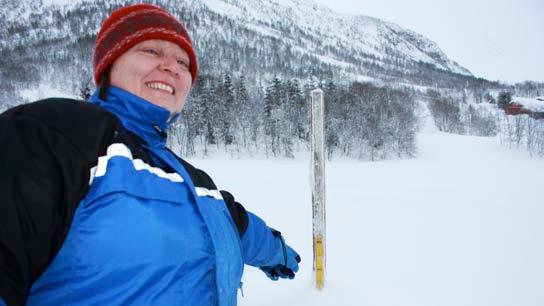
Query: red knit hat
(129, 25)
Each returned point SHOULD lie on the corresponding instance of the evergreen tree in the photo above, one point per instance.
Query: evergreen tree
(273, 116)
(244, 111)
(332, 118)
(208, 101)
(504, 99)
(228, 111)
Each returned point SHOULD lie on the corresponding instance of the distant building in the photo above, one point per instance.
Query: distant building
(516, 109)
(534, 107)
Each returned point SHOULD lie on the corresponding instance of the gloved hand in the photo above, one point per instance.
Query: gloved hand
(285, 264)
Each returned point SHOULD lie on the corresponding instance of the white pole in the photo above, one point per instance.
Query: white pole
(317, 180)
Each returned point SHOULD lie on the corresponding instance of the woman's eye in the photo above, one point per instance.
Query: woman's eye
(151, 51)
(183, 64)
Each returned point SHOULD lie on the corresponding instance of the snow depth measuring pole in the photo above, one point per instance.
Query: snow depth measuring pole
(317, 181)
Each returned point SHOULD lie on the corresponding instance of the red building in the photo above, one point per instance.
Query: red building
(534, 107)
(516, 109)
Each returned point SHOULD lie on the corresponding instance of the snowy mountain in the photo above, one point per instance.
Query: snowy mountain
(51, 40)
(338, 37)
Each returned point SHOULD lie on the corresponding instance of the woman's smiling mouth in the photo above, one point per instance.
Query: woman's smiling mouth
(161, 86)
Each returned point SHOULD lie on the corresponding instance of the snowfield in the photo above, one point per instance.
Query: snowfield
(461, 224)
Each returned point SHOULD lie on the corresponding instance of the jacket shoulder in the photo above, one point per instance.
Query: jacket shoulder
(62, 113)
(199, 177)
(83, 124)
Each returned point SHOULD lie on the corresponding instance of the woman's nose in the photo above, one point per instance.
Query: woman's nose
(170, 64)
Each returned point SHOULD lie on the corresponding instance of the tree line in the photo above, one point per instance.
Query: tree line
(362, 120)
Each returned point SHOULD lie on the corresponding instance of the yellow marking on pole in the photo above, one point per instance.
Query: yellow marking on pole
(319, 269)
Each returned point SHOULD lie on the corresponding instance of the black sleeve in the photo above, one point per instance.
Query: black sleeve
(202, 179)
(43, 176)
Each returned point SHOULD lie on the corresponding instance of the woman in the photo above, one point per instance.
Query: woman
(95, 210)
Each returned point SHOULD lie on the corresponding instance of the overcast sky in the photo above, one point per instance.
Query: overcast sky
(495, 39)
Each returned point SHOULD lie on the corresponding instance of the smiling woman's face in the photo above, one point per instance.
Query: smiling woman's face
(155, 70)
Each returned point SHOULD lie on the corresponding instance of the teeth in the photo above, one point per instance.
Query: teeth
(161, 86)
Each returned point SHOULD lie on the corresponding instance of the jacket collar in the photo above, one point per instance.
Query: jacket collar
(138, 115)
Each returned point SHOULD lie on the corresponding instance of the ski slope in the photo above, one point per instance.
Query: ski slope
(461, 224)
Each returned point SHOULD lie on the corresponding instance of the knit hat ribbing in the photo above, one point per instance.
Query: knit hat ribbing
(132, 24)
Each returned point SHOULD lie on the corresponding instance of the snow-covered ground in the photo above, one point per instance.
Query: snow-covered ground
(461, 224)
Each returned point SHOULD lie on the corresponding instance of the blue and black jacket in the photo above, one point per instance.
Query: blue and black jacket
(95, 210)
